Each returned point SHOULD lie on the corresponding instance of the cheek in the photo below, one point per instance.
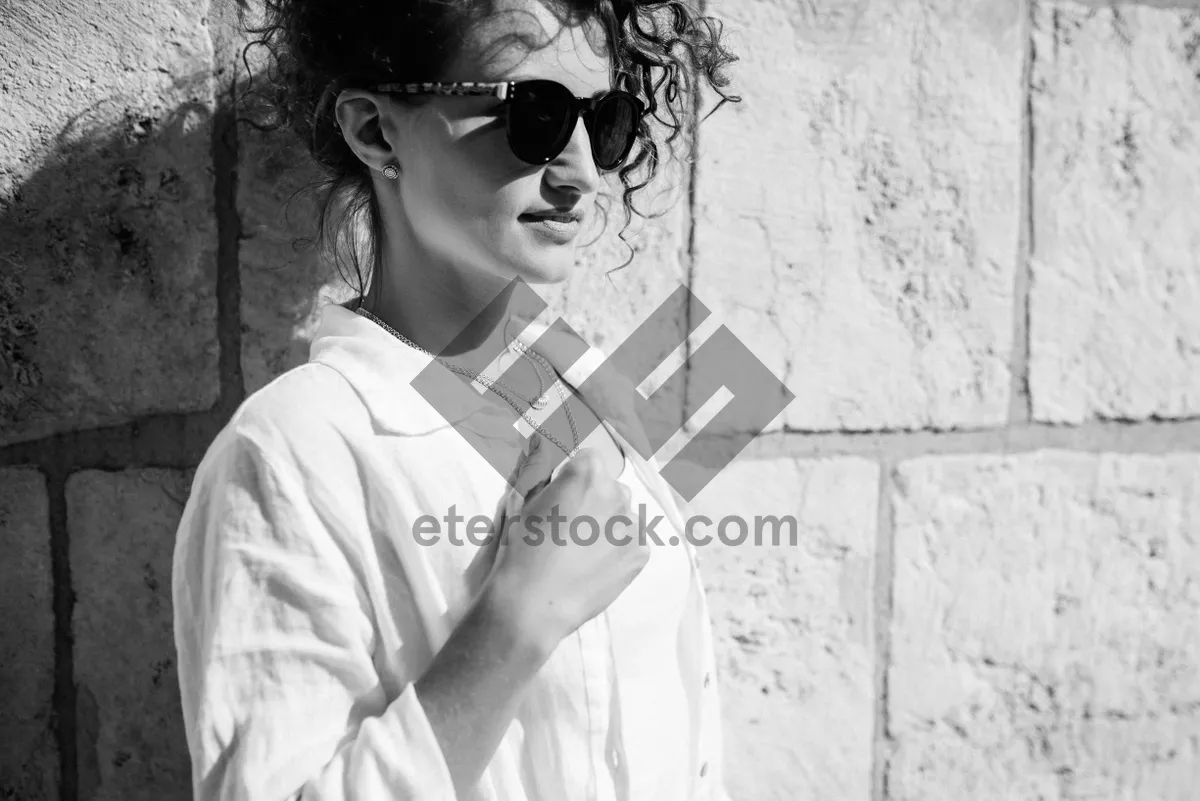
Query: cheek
(461, 209)
(465, 201)
(469, 172)
(465, 195)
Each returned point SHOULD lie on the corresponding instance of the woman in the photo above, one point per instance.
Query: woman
(333, 642)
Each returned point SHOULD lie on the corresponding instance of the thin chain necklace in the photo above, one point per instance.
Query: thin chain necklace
(500, 388)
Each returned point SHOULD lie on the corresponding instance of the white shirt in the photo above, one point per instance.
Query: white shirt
(305, 609)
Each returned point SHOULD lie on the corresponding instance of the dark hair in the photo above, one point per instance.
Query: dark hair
(319, 47)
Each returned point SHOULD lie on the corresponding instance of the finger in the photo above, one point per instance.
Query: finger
(587, 464)
(534, 472)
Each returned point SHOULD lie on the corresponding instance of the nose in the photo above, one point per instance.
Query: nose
(574, 169)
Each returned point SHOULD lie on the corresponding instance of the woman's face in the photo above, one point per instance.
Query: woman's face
(465, 198)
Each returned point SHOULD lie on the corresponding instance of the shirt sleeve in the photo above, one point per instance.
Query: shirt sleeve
(281, 697)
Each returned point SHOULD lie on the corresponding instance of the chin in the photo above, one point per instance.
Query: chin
(553, 270)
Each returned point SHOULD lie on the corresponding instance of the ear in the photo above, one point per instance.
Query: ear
(369, 127)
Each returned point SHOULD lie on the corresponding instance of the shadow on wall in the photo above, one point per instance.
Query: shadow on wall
(110, 252)
(110, 255)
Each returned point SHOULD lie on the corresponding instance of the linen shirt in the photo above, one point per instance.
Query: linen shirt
(305, 610)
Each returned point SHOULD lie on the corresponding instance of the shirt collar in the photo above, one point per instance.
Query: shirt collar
(382, 369)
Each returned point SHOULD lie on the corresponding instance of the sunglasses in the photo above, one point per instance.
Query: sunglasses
(542, 116)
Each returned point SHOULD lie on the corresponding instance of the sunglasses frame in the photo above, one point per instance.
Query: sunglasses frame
(504, 91)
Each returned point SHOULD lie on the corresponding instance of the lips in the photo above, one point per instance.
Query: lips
(565, 216)
(556, 226)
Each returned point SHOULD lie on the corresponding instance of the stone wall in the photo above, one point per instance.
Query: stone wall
(967, 234)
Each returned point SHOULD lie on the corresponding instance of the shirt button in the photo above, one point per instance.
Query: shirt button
(704, 770)
(707, 680)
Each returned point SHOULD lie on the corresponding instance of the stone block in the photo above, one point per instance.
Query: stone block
(1114, 328)
(29, 764)
(131, 742)
(107, 232)
(1046, 627)
(857, 215)
(794, 625)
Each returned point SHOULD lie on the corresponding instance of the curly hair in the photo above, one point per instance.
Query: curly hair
(317, 48)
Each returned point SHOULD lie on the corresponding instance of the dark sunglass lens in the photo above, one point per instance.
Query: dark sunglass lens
(539, 121)
(614, 126)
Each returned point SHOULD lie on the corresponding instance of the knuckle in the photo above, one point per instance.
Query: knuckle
(581, 465)
(590, 460)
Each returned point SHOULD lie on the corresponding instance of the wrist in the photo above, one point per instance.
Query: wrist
(504, 612)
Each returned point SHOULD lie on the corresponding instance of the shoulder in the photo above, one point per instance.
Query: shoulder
(311, 394)
(302, 419)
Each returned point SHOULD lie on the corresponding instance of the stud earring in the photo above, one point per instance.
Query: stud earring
(391, 172)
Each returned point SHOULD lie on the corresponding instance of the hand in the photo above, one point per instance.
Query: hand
(552, 588)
